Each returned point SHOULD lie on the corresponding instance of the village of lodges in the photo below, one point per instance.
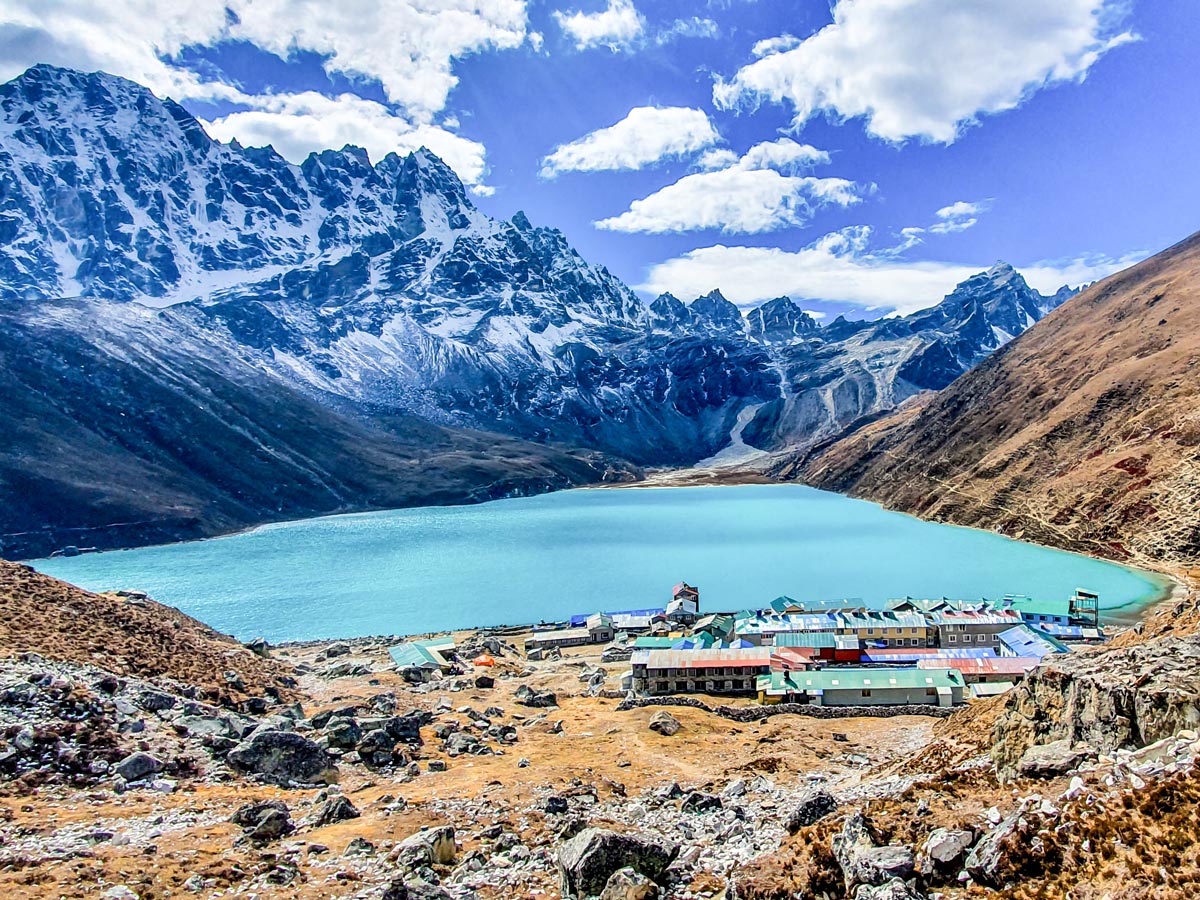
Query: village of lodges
(832, 653)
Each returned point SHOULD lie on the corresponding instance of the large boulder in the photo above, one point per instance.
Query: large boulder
(664, 723)
(588, 860)
(282, 757)
(863, 861)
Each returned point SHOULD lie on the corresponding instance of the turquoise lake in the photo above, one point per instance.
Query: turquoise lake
(545, 558)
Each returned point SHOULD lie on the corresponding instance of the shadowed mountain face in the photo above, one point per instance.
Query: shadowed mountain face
(1084, 433)
(378, 294)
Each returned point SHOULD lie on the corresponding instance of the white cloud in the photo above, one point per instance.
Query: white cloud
(770, 46)
(749, 195)
(694, 27)
(1048, 276)
(616, 26)
(927, 68)
(952, 219)
(783, 153)
(299, 124)
(645, 136)
(717, 158)
(841, 267)
(408, 46)
(127, 38)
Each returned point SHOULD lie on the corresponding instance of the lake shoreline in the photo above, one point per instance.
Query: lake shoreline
(794, 537)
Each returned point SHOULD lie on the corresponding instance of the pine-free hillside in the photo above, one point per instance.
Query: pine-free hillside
(1083, 433)
(380, 285)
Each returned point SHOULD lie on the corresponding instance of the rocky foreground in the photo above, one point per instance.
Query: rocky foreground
(322, 772)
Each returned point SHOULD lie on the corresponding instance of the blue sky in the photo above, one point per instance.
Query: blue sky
(861, 156)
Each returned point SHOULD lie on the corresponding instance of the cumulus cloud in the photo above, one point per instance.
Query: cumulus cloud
(841, 267)
(927, 68)
(645, 136)
(299, 124)
(758, 192)
(407, 46)
(616, 26)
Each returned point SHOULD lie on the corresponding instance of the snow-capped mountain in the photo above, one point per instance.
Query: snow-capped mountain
(381, 289)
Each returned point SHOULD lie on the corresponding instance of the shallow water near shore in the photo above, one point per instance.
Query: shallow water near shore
(411, 571)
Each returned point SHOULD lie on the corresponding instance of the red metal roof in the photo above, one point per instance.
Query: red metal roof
(999, 665)
(756, 657)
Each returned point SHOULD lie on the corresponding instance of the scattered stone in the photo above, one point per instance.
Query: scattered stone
(484, 682)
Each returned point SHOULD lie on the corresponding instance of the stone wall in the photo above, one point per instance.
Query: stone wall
(754, 713)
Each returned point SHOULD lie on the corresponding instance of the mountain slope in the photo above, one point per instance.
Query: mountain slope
(126, 425)
(1083, 433)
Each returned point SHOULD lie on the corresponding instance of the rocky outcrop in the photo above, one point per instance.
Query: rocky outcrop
(1110, 698)
(864, 861)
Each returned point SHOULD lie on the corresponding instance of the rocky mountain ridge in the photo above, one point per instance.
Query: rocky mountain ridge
(377, 292)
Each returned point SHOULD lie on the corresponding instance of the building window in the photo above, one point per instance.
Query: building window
(866, 692)
(930, 692)
(952, 639)
(660, 686)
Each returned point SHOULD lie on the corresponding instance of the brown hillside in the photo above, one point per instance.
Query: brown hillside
(145, 639)
(1082, 433)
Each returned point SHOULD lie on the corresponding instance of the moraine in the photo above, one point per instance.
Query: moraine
(548, 557)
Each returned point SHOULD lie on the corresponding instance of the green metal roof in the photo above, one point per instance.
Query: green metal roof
(646, 642)
(849, 679)
(814, 639)
(421, 653)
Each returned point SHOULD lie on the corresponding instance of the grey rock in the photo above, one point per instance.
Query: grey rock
(813, 807)
(1055, 758)
(335, 809)
(282, 757)
(138, 765)
(588, 860)
(987, 862)
(700, 802)
(629, 884)
(895, 889)
(863, 861)
(944, 848)
(664, 723)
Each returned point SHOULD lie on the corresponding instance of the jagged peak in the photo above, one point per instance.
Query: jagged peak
(521, 221)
